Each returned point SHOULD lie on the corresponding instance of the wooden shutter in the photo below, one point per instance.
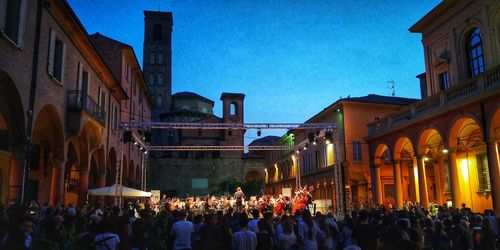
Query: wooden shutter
(79, 77)
(63, 61)
(52, 46)
(3, 13)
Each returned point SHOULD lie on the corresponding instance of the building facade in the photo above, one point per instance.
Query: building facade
(444, 149)
(58, 121)
(335, 162)
(203, 172)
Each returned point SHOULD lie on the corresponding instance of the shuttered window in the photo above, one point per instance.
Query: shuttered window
(483, 173)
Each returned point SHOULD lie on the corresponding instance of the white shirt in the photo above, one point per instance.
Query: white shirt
(182, 231)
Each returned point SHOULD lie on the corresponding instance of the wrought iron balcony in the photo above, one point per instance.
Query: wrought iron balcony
(468, 90)
(77, 100)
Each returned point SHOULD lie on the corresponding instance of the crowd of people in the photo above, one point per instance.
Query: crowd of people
(240, 227)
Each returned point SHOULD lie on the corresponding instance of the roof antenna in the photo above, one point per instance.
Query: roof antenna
(392, 87)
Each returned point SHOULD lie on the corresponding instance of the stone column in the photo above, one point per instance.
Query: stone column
(101, 182)
(438, 172)
(16, 173)
(422, 183)
(494, 168)
(57, 181)
(454, 181)
(376, 184)
(83, 187)
(398, 183)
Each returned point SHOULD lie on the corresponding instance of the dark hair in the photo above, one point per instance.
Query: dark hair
(255, 213)
(363, 215)
(263, 225)
(243, 219)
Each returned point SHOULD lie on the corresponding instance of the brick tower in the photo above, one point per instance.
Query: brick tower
(157, 62)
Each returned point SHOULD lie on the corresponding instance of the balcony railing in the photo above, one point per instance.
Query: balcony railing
(483, 84)
(77, 100)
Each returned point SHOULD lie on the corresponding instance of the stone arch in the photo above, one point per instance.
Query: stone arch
(12, 139)
(380, 150)
(403, 148)
(494, 125)
(253, 176)
(466, 126)
(48, 136)
(431, 142)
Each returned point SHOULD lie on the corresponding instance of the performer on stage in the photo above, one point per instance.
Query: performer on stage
(239, 196)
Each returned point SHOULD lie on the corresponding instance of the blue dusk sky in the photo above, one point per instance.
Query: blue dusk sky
(291, 58)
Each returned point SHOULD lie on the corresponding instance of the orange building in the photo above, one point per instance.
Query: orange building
(60, 106)
(335, 162)
(444, 149)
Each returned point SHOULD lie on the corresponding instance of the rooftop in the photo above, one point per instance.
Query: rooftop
(187, 94)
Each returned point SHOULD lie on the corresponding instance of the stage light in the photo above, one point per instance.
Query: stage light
(445, 151)
(329, 136)
(135, 143)
(310, 137)
(146, 152)
(127, 136)
(259, 133)
(147, 136)
(297, 151)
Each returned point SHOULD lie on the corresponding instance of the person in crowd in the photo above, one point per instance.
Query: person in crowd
(239, 196)
(19, 236)
(181, 232)
(244, 239)
(252, 225)
(366, 235)
(287, 239)
(309, 232)
(264, 236)
(106, 239)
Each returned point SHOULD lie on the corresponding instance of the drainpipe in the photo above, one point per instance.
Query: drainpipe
(31, 104)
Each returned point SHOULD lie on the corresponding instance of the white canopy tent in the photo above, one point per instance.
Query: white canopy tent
(111, 191)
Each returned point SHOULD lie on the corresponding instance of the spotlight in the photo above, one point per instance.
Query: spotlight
(127, 136)
(329, 136)
(297, 151)
(314, 142)
(426, 158)
(310, 137)
(305, 146)
(147, 136)
(146, 152)
(445, 151)
(327, 141)
(141, 148)
(259, 133)
(135, 143)
(338, 109)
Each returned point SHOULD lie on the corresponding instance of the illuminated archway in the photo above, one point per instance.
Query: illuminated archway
(466, 138)
(431, 145)
(404, 153)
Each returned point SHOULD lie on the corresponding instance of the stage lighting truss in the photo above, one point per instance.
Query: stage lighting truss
(147, 126)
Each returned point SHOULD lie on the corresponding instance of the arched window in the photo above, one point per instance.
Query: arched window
(232, 108)
(157, 32)
(474, 49)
